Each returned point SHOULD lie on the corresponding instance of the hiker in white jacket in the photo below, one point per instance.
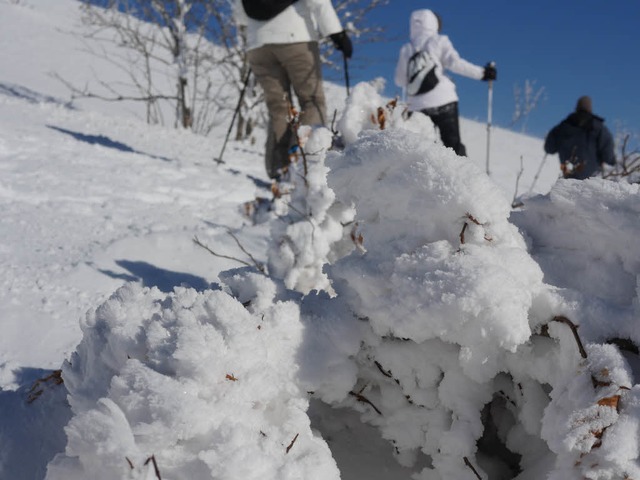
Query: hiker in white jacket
(282, 50)
(429, 90)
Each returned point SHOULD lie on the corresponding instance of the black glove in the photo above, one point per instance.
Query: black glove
(343, 43)
(490, 72)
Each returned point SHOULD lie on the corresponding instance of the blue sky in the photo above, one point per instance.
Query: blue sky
(569, 47)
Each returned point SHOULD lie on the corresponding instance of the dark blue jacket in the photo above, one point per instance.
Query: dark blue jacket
(583, 140)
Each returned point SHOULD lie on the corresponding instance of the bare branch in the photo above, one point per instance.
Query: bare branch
(537, 175)
(215, 254)
(156, 470)
(255, 262)
(515, 203)
(468, 464)
(526, 99)
(574, 330)
(292, 442)
(363, 399)
(628, 164)
(84, 93)
(40, 385)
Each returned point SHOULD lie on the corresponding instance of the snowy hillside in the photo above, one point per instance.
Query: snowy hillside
(442, 346)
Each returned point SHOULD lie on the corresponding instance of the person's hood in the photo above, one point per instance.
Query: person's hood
(423, 25)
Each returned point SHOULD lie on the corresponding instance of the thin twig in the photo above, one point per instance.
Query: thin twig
(215, 254)
(304, 160)
(514, 203)
(574, 330)
(39, 385)
(156, 470)
(363, 399)
(382, 370)
(292, 442)
(388, 374)
(305, 217)
(294, 122)
(77, 93)
(630, 161)
(333, 122)
(468, 464)
(535, 178)
(473, 219)
(464, 227)
(255, 262)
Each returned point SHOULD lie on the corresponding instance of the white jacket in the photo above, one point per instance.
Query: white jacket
(304, 21)
(424, 36)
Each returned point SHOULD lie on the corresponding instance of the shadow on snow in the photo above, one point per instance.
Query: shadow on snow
(151, 276)
(31, 96)
(105, 142)
(39, 413)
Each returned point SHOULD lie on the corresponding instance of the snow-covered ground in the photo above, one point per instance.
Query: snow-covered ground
(208, 372)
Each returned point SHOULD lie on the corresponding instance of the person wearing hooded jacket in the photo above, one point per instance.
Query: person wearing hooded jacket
(582, 141)
(283, 53)
(441, 102)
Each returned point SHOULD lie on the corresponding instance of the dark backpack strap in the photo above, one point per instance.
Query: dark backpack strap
(265, 9)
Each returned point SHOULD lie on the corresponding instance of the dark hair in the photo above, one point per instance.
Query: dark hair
(584, 104)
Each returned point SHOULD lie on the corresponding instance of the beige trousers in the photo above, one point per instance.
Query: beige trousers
(279, 68)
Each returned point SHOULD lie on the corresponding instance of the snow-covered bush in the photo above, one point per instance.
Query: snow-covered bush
(437, 325)
(189, 383)
(467, 363)
(310, 226)
(313, 229)
(446, 286)
(582, 235)
(367, 110)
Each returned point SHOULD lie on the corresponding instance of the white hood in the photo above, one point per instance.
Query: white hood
(424, 35)
(423, 25)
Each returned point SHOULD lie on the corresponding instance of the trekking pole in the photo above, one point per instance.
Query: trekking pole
(346, 73)
(489, 115)
(233, 119)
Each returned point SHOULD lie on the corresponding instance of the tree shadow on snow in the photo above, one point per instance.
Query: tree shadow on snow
(31, 96)
(32, 428)
(152, 276)
(105, 142)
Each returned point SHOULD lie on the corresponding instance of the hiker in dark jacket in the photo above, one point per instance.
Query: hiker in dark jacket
(582, 142)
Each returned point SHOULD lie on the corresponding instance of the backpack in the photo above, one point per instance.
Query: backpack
(265, 9)
(421, 73)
